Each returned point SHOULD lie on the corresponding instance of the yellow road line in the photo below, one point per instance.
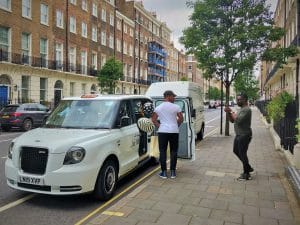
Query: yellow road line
(116, 197)
(18, 202)
(111, 213)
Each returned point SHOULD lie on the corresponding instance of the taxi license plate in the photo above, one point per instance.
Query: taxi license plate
(31, 180)
(5, 117)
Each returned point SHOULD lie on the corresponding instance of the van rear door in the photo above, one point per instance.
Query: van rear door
(186, 148)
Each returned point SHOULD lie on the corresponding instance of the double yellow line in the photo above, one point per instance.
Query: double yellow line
(106, 204)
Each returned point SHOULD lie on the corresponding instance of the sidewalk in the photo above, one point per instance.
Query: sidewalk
(206, 191)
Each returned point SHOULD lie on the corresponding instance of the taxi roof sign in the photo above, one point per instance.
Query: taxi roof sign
(89, 96)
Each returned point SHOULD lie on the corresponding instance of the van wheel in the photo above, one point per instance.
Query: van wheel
(106, 181)
(200, 135)
(27, 125)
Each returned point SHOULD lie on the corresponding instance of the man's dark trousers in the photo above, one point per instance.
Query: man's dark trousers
(240, 148)
(163, 140)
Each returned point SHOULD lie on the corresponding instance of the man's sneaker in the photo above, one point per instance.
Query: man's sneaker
(173, 174)
(163, 175)
(245, 176)
(251, 171)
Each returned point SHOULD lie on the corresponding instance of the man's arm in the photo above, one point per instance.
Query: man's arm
(231, 115)
(179, 118)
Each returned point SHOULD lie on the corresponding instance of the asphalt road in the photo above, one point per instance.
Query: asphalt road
(17, 207)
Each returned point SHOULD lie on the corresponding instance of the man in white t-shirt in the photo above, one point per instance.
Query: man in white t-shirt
(170, 118)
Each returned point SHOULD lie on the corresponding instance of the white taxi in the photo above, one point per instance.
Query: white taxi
(86, 145)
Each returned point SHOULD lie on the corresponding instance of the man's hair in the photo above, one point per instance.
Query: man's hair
(243, 95)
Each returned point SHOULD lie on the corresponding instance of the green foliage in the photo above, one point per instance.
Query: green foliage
(111, 72)
(298, 128)
(213, 93)
(184, 79)
(276, 108)
(228, 37)
(247, 83)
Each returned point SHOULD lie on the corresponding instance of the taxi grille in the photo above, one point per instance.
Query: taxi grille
(34, 160)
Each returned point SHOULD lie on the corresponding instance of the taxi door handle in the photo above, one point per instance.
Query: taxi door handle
(118, 142)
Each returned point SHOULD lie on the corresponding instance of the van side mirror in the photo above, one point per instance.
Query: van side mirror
(193, 114)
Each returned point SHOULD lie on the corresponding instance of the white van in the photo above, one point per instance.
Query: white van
(190, 99)
(86, 145)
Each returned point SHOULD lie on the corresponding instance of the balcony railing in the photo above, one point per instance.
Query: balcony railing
(42, 62)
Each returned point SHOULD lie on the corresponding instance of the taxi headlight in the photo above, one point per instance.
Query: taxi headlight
(10, 150)
(74, 155)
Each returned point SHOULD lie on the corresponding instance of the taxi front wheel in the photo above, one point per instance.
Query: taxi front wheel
(106, 181)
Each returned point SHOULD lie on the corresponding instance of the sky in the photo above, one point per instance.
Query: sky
(175, 13)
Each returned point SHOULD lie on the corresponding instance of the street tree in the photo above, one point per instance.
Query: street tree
(228, 37)
(214, 93)
(248, 84)
(108, 76)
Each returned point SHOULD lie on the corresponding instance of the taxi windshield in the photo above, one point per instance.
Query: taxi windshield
(83, 114)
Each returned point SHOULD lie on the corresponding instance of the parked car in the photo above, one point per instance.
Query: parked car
(24, 116)
(212, 104)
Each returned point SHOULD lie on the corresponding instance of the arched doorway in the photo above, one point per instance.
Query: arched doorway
(5, 90)
(58, 91)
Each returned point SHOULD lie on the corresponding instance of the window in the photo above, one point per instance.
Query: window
(94, 33)
(111, 41)
(72, 59)
(26, 48)
(119, 25)
(84, 29)
(5, 4)
(131, 50)
(59, 18)
(125, 48)
(84, 5)
(103, 15)
(94, 60)
(44, 51)
(131, 32)
(111, 19)
(26, 8)
(73, 2)
(95, 9)
(5, 43)
(44, 14)
(118, 45)
(72, 88)
(73, 24)
(43, 90)
(59, 56)
(103, 60)
(125, 28)
(103, 38)
(83, 62)
(25, 88)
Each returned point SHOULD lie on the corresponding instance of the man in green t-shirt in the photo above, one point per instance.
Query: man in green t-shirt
(242, 128)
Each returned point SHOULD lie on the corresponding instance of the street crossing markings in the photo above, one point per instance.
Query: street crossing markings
(18, 202)
(6, 140)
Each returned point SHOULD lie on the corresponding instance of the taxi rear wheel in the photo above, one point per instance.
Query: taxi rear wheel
(106, 181)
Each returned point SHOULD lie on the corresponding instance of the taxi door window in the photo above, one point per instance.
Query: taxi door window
(125, 111)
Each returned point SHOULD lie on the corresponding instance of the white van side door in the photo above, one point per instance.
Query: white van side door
(186, 147)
